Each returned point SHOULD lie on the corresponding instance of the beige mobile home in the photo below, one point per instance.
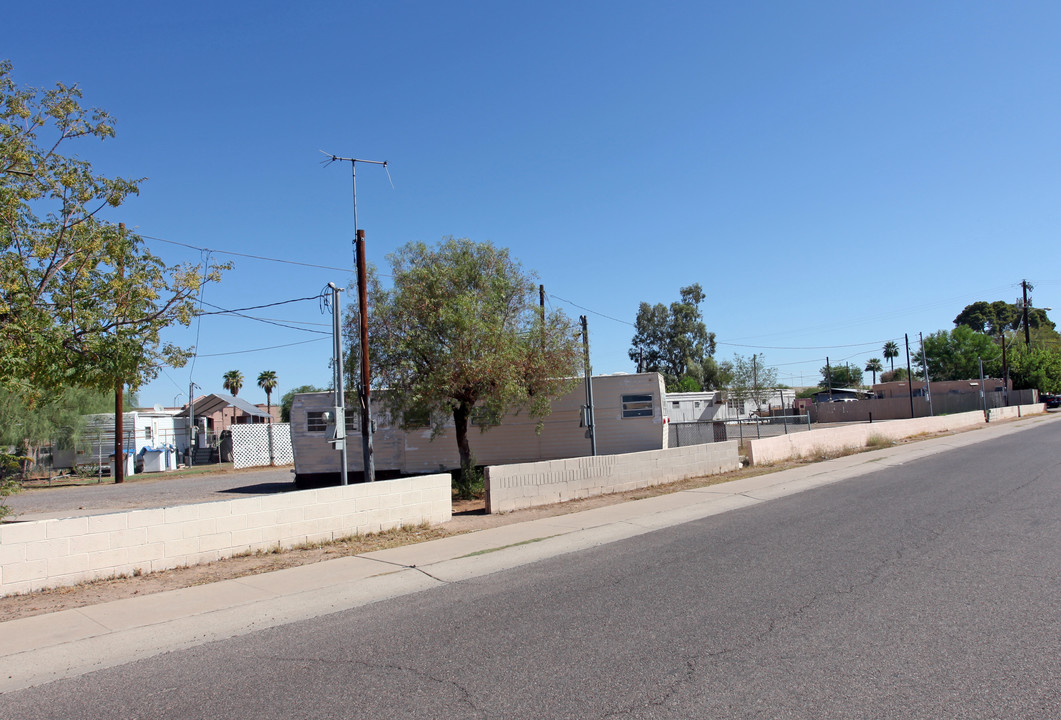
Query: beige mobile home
(628, 411)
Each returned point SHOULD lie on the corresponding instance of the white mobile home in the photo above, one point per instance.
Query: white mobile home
(628, 411)
(142, 430)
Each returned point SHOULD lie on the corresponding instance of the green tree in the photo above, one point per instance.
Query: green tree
(31, 421)
(874, 365)
(267, 382)
(81, 300)
(752, 379)
(461, 329)
(956, 355)
(674, 341)
(289, 397)
(232, 381)
(1035, 367)
(891, 351)
(896, 375)
(843, 376)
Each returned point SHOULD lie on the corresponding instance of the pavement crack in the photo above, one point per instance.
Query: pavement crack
(417, 568)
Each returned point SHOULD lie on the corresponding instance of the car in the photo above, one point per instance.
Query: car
(1052, 401)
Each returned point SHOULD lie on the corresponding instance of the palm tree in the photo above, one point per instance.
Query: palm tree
(267, 382)
(233, 382)
(874, 366)
(891, 351)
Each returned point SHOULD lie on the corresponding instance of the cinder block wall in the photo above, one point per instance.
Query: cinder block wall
(52, 553)
(512, 487)
(796, 445)
(1015, 411)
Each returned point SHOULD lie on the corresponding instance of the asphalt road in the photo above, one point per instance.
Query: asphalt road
(147, 491)
(927, 590)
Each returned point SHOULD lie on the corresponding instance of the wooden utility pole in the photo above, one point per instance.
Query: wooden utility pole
(119, 387)
(366, 397)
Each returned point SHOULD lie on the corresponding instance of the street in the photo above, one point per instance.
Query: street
(923, 590)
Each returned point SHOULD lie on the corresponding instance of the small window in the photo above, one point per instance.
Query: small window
(696, 404)
(676, 404)
(147, 433)
(352, 420)
(416, 419)
(485, 417)
(637, 406)
(315, 421)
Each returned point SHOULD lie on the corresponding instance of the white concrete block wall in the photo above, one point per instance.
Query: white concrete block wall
(51, 553)
(1015, 411)
(796, 445)
(512, 487)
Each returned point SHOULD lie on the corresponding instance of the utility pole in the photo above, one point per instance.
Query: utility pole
(591, 432)
(1024, 310)
(1005, 367)
(909, 374)
(928, 383)
(119, 387)
(338, 439)
(829, 377)
(364, 395)
(541, 306)
(364, 390)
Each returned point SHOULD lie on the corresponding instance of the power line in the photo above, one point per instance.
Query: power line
(580, 307)
(247, 255)
(259, 307)
(272, 347)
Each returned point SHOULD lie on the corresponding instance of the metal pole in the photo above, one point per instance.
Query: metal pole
(909, 374)
(338, 397)
(829, 377)
(928, 382)
(365, 394)
(589, 388)
(191, 424)
(983, 395)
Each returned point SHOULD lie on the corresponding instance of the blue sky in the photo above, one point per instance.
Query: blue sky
(833, 174)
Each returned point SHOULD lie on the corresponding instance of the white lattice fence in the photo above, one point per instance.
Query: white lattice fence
(268, 444)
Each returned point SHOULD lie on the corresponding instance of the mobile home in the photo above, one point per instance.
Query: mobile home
(628, 412)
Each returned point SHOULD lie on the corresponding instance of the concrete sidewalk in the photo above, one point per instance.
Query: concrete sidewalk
(39, 649)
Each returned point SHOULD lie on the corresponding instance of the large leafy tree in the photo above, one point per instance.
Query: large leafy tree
(751, 379)
(82, 302)
(842, 376)
(999, 316)
(460, 329)
(673, 341)
(1035, 367)
(288, 399)
(956, 355)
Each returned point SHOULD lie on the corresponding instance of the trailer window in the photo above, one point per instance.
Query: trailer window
(637, 406)
(315, 421)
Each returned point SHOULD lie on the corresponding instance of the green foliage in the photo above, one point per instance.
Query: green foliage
(289, 397)
(54, 418)
(843, 376)
(752, 379)
(896, 375)
(461, 328)
(1035, 367)
(874, 365)
(998, 317)
(232, 381)
(686, 384)
(82, 302)
(891, 351)
(956, 355)
(674, 341)
(267, 382)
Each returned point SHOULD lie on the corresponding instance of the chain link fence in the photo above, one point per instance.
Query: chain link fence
(683, 434)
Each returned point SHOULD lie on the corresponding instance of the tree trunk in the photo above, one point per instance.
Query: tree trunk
(467, 476)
